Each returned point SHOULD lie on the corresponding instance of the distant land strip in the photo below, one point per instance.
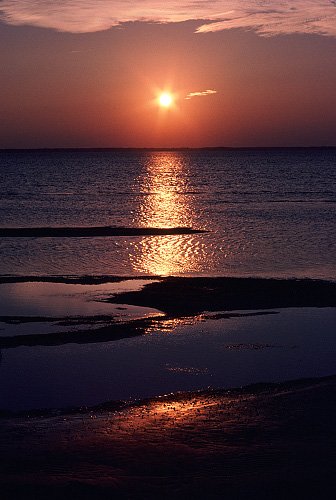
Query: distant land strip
(92, 232)
(158, 149)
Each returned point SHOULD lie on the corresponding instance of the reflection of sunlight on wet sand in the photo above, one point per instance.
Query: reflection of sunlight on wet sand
(170, 324)
(167, 415)
(166, 203)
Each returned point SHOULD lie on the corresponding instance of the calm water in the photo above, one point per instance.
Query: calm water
(267, 212)
(294, 343)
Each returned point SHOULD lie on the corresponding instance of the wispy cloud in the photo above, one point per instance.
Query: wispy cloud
(266, 17)
(200, 94)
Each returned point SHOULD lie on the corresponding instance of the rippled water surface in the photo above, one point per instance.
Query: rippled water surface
(266, 212)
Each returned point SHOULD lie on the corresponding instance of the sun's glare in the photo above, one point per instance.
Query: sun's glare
(165, 100)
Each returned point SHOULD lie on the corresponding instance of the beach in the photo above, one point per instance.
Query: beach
(265, 441)
(167, 324)
(167, 250)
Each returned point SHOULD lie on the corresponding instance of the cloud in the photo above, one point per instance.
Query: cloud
(200, 94)
(266, 17)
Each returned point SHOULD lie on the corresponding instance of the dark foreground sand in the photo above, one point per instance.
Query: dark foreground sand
(263, 442)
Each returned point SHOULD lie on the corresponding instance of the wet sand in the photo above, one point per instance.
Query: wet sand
(262, 442)
(187, 296)
(266, 441)
(173, 298)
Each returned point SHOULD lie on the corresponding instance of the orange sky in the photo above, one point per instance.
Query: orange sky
(98, 88)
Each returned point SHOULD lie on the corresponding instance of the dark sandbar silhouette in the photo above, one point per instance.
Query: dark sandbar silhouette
(105, 329)
(92, 232)
(189, 296)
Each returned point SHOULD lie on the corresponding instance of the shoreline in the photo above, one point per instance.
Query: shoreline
(180, 296)
(115, 406)
(171, 298)
(261, 441)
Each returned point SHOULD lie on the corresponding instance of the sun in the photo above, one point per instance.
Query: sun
(165, 100)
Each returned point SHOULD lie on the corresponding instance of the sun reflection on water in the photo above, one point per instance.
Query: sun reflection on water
(166, 202)
(164, 185)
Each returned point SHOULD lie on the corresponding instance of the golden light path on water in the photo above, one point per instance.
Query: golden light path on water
(166, 202)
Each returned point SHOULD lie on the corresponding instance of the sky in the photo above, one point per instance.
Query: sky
(241, 73)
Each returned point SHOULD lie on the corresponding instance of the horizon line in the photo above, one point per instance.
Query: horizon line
(178, 148)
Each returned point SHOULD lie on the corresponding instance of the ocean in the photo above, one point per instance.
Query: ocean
(67, 336)
(266, 212)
